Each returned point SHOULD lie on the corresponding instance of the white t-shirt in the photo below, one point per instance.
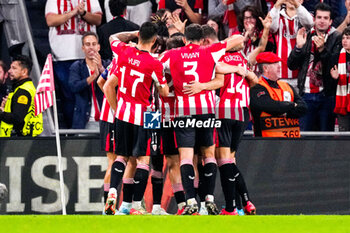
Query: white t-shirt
(65, 40)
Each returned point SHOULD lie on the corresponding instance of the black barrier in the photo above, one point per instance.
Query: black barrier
(283, 176)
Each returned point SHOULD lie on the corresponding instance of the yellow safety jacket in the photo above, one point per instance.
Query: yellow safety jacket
(33, 125)
(280, 126)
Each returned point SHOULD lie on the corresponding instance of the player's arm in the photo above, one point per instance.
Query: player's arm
(163, 89)
(123, 36)
(195, 87)
(223, 68)
(109, 90)
(234, 41)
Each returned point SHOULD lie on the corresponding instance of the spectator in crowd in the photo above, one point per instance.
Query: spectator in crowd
(68, 21)
(337, 6)
(275, 104)
(341, 73)
(250, 26)
(314, 55)
(5, 82)
(17, 110)
(230, 9)
(216, 23)
(118, 24)
(82, 80)
(191, 10)
(168, 23)
(287, 15)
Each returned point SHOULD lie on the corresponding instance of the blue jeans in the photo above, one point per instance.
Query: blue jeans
(320, 115)
(67, 98)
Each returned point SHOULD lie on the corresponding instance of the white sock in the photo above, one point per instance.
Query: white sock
(209, 198)
(136, 204)
(191, 201)
(126, 205)
(181, 205)
(202, 204)
(156, 207)
(112, 190)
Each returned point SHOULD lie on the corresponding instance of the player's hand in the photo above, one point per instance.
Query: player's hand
(178, 24)
(193, 88)
(295, 3)
(301, 38)
(334, 72)
(242, 71)
(279, 3)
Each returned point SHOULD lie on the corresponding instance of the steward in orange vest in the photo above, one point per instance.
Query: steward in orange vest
(274, 104)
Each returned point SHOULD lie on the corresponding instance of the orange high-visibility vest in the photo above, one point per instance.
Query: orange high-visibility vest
(279, 126)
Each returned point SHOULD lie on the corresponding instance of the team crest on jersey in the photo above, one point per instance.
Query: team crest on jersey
(22, 99)
(260, 93)
(287, 96)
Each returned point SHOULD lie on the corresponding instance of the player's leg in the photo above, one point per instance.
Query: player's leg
(185, 138)
(141, 150)
(118, 167)
(128, 187)
(201, 191)
(169, 148)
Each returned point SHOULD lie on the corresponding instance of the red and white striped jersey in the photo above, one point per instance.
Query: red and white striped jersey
(193, 63)
(234, 95)
(286, 40)
(137, 72)
(107, 113)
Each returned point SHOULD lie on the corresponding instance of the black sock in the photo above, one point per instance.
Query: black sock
(180, 197)
(238, 199)
(228, 185)
(209, 179)
(117, 173)
(187, 178)
(157, 189)
(140, 183)
(128, 190)
(241, 186)
(201, 188)
(105, 196)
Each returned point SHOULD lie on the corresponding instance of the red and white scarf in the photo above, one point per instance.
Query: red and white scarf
(230, 17)
(342, 100)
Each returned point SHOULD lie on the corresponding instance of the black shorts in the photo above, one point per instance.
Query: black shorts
(155, 142)
(132, 140)
(168, 141)
(231, 131)
(107, 136)
(195, 136)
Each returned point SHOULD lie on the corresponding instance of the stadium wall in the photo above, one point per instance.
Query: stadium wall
(302, 176)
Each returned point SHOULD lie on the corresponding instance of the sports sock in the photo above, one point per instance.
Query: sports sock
(210, 169)
(157, 186)
(128, 189)
(228, 183)
(241, 186)
(179, 193)
(140, 181)
(200, 188)
(105, 191)
(187, 178)
(117, 172)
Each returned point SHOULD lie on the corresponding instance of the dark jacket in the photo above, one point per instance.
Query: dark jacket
(261, 101)
(299, 59)
(78, 73)
(116, 25)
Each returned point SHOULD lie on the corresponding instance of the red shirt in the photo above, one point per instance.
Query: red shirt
(234, 95)
(193, 63)
(137, 72)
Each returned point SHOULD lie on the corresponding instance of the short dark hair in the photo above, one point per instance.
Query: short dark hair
(218, 20)
(3, 66)
(323, 7)
(148, 31)
(175, 42)
(89, 33)
(177, 34)
(194, 32)
(24, 61)
(117, 7)
(346, 31)
(209, 32)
